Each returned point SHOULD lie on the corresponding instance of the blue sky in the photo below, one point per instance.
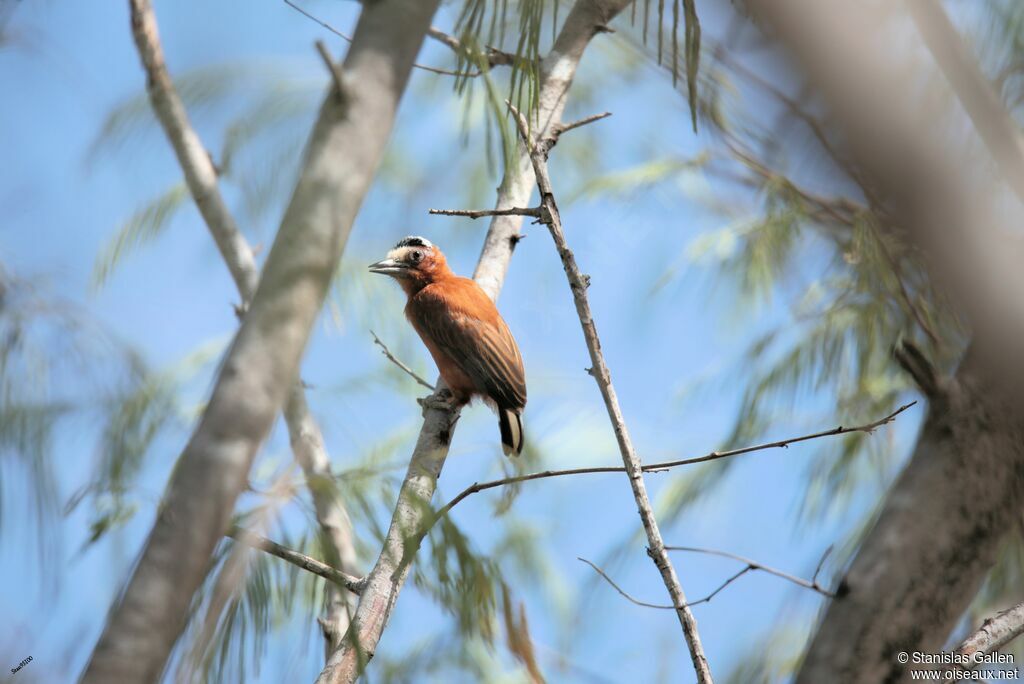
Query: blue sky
(74, 62)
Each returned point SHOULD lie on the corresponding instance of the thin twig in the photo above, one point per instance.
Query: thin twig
(751, 566)
(565, 128)
(545, 143)
(332, 67)
(811, 584)
(395, 360)
(621, 590)
(319, 568)
(535, 212)
(495, 57)
(578, 284)
(665, 465)
(348, 39)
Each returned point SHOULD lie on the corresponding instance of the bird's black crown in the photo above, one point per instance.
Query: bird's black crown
(414, 241)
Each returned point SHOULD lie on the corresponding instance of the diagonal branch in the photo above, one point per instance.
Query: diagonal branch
(867, 428)
(252, 384)
(494, 56)
(304, 433)
(348, 39)
(412, 517)
(578, 283)
(754, 565)
(398, 362)
(994, 633)
(301, 560)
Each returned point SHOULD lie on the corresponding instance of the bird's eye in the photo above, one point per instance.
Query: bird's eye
(415, 256)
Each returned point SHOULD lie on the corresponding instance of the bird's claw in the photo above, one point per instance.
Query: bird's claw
(442, 399)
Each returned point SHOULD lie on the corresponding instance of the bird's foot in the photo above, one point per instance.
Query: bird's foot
(442, 399)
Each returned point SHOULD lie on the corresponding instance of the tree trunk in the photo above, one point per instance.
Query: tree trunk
(921, 564)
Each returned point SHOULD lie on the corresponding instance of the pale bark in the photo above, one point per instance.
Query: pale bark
(341, 159)
(993, 634)
(304, 433)
(937, 535)
(412, 515)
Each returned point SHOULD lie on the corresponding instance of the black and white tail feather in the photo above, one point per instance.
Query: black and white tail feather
(511, 425)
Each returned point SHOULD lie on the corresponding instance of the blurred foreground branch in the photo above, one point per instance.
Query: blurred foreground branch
(939, 530)
(261, 365)
(304, 434)
(994, 633)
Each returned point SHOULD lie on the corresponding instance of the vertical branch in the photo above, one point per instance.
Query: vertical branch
(579, 283)
(341, 159)
(305, 436)
(412, 515)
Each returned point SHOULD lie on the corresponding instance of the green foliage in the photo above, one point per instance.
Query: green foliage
(44, 344)
(145, 225)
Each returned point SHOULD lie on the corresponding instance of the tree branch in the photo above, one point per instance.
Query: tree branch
(261, 365)
(811, 584)
(301, 560)
(195, 161)
(665, 465)
(479, 213)
(994, 124)
(348, 39)
(411, 517)
(750, 566)
(994, 633)
(494, 56)
(578, 284)
(395, 360)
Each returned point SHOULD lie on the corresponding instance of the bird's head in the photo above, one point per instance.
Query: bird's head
(414, 262)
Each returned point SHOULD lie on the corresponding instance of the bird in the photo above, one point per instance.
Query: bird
(471, 344)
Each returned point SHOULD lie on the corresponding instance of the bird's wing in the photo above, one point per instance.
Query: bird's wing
(470, 331)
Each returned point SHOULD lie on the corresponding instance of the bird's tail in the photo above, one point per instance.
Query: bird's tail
(511, 424)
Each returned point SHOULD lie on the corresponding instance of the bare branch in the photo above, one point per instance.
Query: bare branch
(994, 633)
(868, 428)
(750, 566)
(563, 128)
(348, 39)
(395, 360)
(195, 161)
(665, 465)
(332, 68)
(319, 568)
(578, 284)
(754, 565)
(494, 56)
(535, 212)
(619, 589)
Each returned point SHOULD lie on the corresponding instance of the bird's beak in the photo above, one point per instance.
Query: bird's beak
(388, 267)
